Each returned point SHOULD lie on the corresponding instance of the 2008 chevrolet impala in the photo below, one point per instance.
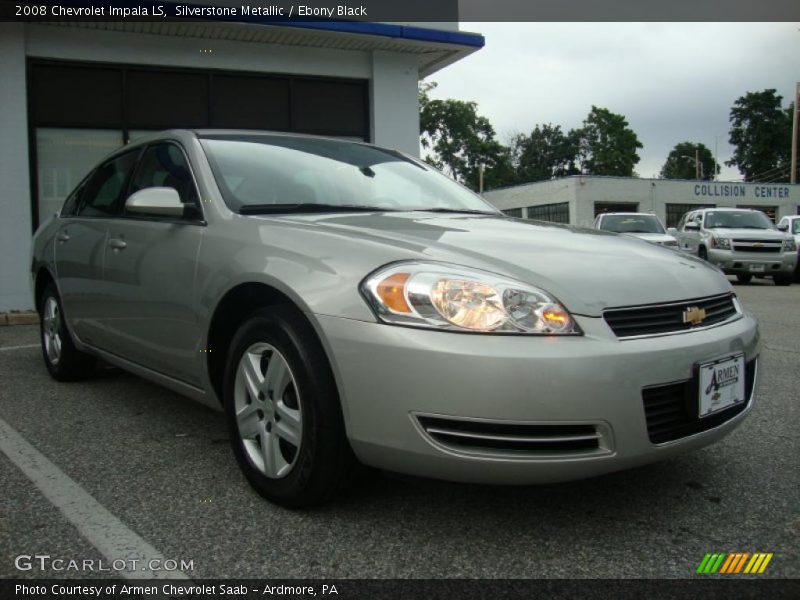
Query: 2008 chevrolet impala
(345, 303)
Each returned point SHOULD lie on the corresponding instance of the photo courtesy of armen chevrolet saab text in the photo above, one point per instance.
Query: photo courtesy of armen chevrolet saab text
(348, 305)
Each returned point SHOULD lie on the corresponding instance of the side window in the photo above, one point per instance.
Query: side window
(687, 218)
(164, 165)
(71, 203)
(101, 193)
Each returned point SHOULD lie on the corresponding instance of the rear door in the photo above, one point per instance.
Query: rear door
(150, 263)
(80, 246)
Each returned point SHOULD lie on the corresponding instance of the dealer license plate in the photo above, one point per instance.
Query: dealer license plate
(756, 268)
(721, 384)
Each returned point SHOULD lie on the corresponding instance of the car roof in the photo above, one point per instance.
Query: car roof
(626, 214)
(728, 209)
(183, 135)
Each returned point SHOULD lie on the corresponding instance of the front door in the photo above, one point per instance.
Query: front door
(150, 266)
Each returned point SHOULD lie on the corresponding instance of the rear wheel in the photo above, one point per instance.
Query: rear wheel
(63, 360)
(744, 278)
(783, 279)
(283, 411)
(702, 252)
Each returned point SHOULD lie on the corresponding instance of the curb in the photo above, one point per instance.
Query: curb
(19, 318)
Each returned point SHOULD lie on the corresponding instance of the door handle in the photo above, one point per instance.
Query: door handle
(62, 237)
(117, 244)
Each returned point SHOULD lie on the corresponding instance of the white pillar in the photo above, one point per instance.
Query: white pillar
(394, 106)
(15, 199)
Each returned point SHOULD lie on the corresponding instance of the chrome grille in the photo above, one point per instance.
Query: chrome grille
(749, 245)
(506, 438)
(659, 319)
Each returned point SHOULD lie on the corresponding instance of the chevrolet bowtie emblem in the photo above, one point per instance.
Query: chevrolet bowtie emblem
(694, 315)
(758, 245)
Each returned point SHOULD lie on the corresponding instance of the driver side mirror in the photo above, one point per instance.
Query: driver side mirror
(783, 227)
(692, 227)
(162, 201)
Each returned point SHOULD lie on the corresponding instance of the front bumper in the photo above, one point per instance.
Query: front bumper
(753, 263)
(390, 378)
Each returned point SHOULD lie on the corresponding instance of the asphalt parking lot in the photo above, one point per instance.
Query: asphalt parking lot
(162, 466)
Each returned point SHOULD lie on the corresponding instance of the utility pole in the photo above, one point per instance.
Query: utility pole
(697, 163)
(795, 119)
(481, 169)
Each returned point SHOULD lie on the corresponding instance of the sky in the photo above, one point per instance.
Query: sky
(673, 82)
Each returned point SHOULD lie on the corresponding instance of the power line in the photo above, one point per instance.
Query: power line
(767, 173)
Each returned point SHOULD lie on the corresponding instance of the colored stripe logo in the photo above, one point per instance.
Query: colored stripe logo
(734, 563)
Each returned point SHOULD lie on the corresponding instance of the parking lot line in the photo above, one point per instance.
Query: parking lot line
(92, 520)
(25, 347)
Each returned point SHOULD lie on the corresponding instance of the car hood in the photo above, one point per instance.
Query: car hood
(753, 234)
(586, 269)
(655, 238)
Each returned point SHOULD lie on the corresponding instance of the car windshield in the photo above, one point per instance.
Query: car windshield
(631, 224)
(272, 173)
(735, 219)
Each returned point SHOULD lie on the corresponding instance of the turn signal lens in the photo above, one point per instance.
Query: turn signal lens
(556, 318)
(392, 292)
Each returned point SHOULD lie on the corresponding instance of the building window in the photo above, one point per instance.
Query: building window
(64, 157)
(82, 111)
(557, 213)
(676, 211)
(513, 212)
(607, 207)
(770, 211)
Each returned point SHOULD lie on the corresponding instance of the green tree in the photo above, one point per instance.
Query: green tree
(680, 163)
(607, 144)
(761, 133)
(460, 140)
(546, 153)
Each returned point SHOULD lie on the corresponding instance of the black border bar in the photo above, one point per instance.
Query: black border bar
(417, 12)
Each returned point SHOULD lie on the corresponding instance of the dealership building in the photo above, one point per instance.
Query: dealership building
(579, 199)
(72, 92)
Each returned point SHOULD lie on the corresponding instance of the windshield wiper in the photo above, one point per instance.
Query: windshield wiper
(463, 211)
(308, 207)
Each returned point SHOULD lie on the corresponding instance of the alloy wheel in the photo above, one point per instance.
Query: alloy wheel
(51, 330)
(268, 411)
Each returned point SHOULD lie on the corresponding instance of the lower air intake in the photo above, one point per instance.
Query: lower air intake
(524, 440)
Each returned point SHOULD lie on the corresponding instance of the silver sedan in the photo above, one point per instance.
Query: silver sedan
(345, 304)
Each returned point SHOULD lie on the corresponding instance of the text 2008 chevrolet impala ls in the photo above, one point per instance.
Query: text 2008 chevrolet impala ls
(345, 303)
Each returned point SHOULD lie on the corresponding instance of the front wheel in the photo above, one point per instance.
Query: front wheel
(783, 279)
(283, 411)
(63, 360)
(744, 278)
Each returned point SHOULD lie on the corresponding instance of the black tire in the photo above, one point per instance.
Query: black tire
(70, 364)
(783, 279)
(702, 253)
(744, 278)
(324, 463)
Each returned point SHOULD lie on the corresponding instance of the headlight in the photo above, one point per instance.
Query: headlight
(721, 243)
(670, 243)
(789, 245)
(453, 298)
